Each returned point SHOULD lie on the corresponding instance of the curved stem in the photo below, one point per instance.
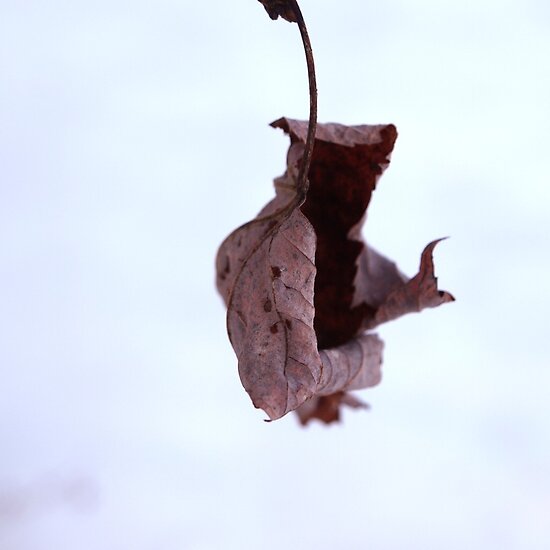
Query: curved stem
(303, 183)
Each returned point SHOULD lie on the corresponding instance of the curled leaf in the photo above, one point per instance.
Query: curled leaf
(301, 286)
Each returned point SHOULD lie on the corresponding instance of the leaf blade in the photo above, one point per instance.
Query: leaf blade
(279, 364)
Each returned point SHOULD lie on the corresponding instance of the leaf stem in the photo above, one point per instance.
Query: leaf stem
(302, 184)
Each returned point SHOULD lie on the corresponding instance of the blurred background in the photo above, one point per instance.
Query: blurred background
(133, 138)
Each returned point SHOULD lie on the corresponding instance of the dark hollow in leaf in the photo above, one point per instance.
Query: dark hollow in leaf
(346, 164)
(301, 286)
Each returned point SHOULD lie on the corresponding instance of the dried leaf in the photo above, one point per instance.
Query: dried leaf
(270, 311)
(299, 279)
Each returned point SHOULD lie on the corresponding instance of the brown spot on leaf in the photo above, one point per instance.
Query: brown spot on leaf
(268, 306)
(225, 270)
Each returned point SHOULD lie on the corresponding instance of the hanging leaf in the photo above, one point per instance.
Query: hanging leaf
(301, 286)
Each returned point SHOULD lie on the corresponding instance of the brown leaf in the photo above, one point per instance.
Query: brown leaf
(270, 311)
(299, 279)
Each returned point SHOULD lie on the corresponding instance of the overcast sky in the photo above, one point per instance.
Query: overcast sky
(133, 138)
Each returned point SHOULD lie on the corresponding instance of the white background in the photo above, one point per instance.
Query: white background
(133, 138)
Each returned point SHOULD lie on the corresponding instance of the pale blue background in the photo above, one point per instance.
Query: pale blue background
(133, 138)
